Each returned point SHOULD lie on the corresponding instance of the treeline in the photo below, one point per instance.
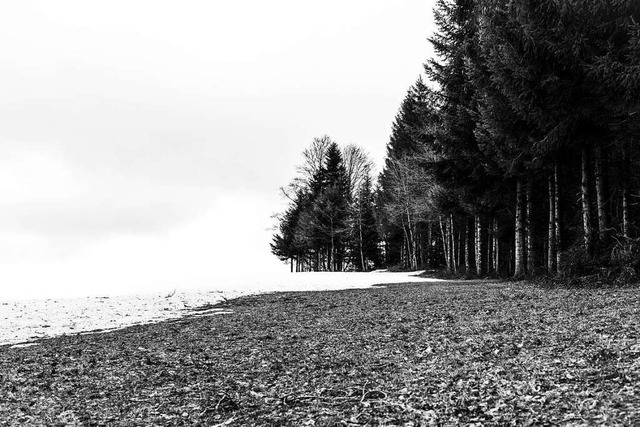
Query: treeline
(330, 224)
(519, 156)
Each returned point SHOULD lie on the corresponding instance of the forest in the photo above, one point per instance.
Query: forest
(331, 223)
(514, 156)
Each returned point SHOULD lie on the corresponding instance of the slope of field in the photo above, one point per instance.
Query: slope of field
(446, 353)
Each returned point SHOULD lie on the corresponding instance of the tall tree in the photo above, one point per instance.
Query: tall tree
(365, 228)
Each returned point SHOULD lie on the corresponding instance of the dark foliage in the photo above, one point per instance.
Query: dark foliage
(527, 139)
(329, 225)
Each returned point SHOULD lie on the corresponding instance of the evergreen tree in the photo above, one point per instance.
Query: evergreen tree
(315, 228)
(533, 103)
(541, 59)
(285, 245)
(407, 237)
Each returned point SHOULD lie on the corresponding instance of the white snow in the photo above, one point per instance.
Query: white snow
(23, 321)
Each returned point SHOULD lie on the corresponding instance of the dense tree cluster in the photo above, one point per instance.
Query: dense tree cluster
(518, 158)
(330, 224)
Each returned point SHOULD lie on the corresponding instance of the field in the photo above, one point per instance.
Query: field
(448, 353)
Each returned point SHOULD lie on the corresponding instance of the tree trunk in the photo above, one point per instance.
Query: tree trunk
(413, 261)
(545, 252)
(419, 255)
(467, 250)
(456, 245)
(551, 237)
(445, 243)
(461, 238)
(450, 245)
(330, 251)
(556, 219)
(386, 249)
(529, 228)
(478, 244)
(489, 259)
(601, 196)
(626, 172)
(427, 252)
(496, 246)
(586, 204)
(454, 261)
(405, 248)
(409, 248)
(519, 267)
(491, 244)
(414, 251)
(362, 266)
(510, 261)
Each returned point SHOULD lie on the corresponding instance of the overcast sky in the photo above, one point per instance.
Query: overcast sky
(143, 142)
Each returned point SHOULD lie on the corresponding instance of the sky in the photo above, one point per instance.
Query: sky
(142, 143)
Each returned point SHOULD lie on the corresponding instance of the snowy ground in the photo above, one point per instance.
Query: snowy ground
(23, 321)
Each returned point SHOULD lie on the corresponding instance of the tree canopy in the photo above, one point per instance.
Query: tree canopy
(515, 156)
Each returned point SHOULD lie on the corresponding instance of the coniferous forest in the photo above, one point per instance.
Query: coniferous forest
(515, 156)
(331, 221)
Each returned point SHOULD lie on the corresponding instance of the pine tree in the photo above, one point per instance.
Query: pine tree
(411, 138)
(324, 224)
(548, 60)
(316, 229)
(285, 245)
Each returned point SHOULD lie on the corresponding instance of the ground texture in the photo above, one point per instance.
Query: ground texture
(415, 354)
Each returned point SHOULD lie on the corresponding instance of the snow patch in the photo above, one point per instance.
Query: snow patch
(30, 320)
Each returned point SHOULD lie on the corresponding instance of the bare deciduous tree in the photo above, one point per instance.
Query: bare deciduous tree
(358, 166)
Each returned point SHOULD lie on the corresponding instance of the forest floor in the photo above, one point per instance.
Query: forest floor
(444, 353)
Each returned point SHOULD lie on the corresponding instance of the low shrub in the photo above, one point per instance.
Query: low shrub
(625, 260)
(576, 262)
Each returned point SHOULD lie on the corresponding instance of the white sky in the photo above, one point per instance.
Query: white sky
(144, 141)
